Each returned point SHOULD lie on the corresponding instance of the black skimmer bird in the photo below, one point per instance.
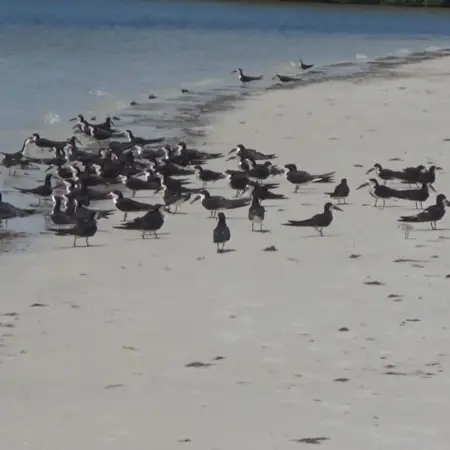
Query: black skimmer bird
(127, 205)
(256, 213)
(318, 221)
(379, 191)
(206, 176)
(341, 191)
(216, 203)
(299, 177)
(59, 217)
(432, 214)
(174, 197)
(285, 78)
(83, 229)
(193, 154)
(44, 143)
(416, 195)
(149, 223)
(305, 66)
(136, 140)
(8, 211)
(429, 177)
(221, 233)
(262, 191)
(136, 184)
(246, 78)
(17, 159)
(78, 209)
(169, 169)
(42, 191)
(258, 171)
(249, 153)
(237, 181)
(386, 174)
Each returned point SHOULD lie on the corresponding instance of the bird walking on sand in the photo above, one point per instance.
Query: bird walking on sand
(380, 191)
(45, 190)
(432, 214)
(221, 233)
(318, 221)
(341, 191)
(84, 228)
(256, 213)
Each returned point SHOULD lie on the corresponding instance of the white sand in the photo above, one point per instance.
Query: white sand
(102, 367)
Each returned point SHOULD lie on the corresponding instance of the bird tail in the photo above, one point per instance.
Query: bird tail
(23, 191)
(238, 203)
(298, 223)
(324, 178)
(409, 219)
(273, 196)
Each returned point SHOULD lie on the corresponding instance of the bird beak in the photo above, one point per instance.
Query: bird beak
(48, 168)
(72, 119)
(233, 71)
(230, 158)
(370, 170)
(167, 210)
(197, 197)
(337, 208)
(432, 188)
(233, 150)
(363, 185)
(77, 140)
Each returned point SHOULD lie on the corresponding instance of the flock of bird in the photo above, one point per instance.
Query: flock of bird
(115, 161)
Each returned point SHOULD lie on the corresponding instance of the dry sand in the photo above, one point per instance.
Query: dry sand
(299, 345)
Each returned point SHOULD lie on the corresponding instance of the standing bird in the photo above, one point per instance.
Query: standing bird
(341, 191)
(83, 228)
(221, 233)
(206, 175)
(246, 78)
(150, 222)
(299, 177)
(431, 214)
(318, 221)
(45, 190)
(416, 195)
(127, 205)
(379, 191)
(256, 213)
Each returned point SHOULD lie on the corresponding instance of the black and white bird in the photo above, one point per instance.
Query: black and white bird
(246, 78)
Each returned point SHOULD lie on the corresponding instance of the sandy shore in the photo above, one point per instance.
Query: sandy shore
(300, 345)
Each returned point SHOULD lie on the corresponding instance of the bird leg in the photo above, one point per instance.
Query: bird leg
(133, 194)
(297, 187)
(253, 226)
(156, 235)
(384, 203)
(261, 226)
(375, 203)
(74, 241)
(87, 242)
(143, 235)
(124, 217)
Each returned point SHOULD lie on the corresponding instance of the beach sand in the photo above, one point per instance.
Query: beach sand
(343, 337)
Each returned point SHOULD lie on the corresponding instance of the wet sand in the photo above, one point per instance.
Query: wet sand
(340, 341)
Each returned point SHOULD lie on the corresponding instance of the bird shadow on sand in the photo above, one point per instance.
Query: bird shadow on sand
(149, 237)
(179, 213)
(226, 250)
(262, 231)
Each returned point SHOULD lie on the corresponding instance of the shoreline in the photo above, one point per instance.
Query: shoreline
(193, 114)
(342, 337)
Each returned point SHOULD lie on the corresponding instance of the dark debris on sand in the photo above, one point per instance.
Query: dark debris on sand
(311, 440)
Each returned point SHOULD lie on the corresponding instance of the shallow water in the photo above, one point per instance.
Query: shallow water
(94, 57)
